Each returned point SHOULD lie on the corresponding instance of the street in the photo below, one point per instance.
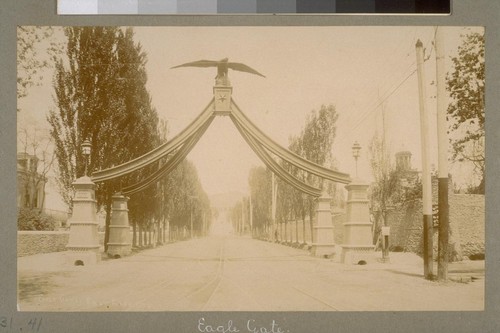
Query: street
(230, 273)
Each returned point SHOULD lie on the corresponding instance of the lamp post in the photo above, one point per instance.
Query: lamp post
(86, 148)
(356, 147)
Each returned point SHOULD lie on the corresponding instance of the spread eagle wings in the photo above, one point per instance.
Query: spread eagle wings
(222, 63)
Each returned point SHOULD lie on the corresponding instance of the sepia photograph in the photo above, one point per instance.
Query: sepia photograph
(313, 168)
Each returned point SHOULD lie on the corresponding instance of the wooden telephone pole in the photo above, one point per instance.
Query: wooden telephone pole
(443, 206)
(426, 175)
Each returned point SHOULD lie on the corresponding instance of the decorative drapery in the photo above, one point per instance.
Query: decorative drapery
(284, 153)
(157, 153)
(182, 143)
(171, 163)
(273, 165)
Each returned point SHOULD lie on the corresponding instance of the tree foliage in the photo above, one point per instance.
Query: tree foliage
(33, 219)
(314, 143)
(101, 96)
(466, 111)
(38, 145)
(384, 174)
(259, 181)
(36, 47)
(186, 198)
(385, 184)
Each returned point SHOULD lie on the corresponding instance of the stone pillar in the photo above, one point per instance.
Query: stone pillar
(83, 245)
(358, 243)
(324, 244)
(119, 243)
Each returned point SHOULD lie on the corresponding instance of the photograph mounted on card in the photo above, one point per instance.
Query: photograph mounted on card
(250, 168)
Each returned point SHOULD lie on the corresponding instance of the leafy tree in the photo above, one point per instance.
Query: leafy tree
(259, 181)
(187, 199)
(33, 219)
(236, 215)
(299, 201)
(466, 111)
(37, 144)
(101, 96)
(286, 210)
(314, 144)
(386, 181)
(35, 48)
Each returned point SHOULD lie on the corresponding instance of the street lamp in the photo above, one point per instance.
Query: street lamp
(356, 147)
(86, 147)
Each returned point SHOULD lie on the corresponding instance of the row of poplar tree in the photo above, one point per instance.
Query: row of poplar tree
(314, 143)
(100, 94)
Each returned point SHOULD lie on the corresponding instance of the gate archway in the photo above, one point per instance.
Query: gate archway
(222, 104)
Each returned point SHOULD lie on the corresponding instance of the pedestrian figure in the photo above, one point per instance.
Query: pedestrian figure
(276, 235)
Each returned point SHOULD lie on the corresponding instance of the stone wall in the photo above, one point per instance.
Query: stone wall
(35, 242)
(467, 224)
(468, 215)
(406, 223)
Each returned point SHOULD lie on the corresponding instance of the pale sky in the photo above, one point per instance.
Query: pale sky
(353, 68)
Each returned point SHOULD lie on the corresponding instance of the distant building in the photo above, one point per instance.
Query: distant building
(406, 173)
(30, 184)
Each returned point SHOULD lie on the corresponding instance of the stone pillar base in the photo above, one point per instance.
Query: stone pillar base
(83, 244)
(116, 250)
(355, 255)
(119, 244)
(357, 247)
(324, 244)
(82, 258)
(322, 250)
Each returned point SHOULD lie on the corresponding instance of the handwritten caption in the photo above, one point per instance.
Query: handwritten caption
(252, 326)
(8, 324)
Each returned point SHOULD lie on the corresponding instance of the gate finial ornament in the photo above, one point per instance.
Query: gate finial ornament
(222, 67)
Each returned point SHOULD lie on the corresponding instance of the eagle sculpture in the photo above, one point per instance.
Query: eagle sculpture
(222, 67)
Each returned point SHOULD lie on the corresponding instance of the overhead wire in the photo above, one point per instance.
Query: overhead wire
(370, 111)
(387, 81)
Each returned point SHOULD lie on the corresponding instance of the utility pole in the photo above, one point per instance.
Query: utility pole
(443, 206)
(426, 175)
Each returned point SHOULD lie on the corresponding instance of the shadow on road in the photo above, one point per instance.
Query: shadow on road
(34, 286)
(404, 273)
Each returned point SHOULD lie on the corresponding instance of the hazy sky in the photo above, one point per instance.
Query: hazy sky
(357, 69)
